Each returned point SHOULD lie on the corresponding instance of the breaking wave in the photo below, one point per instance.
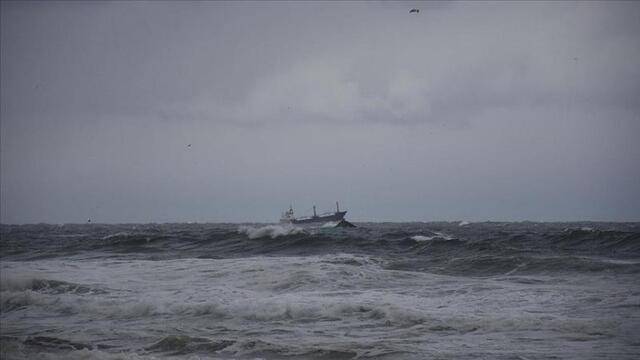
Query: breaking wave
(422, 238)
(474, 249)
(17, 283)
(272, 231)
(436, 235)
(413, 290)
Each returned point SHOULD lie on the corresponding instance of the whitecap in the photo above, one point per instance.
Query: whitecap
(438, 235)
(443, 236)
(330, 224)
(273, 231)
(422, 238)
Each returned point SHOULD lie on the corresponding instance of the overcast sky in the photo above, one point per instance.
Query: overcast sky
(465, 111)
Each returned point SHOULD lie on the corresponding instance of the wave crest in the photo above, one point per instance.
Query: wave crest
(272, 231)
(182, 344)
(49, 286)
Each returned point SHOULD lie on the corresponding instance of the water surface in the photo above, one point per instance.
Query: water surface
(380, 291)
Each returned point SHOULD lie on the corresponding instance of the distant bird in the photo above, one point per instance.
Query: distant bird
(414, 11)
(88, 220)
(189, 146)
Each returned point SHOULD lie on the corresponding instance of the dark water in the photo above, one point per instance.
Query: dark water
(382, 291)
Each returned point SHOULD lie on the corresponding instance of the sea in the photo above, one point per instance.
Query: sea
(432, 290)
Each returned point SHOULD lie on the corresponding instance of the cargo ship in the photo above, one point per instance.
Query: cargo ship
(289, 217)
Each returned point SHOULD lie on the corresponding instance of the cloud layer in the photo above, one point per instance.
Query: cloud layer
(466, 111)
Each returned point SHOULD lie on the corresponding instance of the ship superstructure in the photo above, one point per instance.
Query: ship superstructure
(289, 216)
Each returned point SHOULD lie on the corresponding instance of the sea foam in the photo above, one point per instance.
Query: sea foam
(272, 231)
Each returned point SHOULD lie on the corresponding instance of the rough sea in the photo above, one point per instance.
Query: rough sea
(438, 290)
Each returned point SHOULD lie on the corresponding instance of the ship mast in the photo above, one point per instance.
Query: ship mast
(314, 211)
(337, 207)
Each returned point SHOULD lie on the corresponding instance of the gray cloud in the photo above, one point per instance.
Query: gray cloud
(469, 110)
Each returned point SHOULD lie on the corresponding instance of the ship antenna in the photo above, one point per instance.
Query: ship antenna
(314, 211)
(337, 207)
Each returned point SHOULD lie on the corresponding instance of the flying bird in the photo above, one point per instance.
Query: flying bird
(414, 11)
(189, 146)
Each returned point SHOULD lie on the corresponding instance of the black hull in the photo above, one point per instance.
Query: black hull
(337, 216)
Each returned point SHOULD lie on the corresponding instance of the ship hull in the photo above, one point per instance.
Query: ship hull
(337, 216)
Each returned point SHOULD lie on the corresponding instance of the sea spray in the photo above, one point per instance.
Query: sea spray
(272, 231)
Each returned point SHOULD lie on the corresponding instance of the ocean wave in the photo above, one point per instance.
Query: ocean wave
(348, 259)
(328, 306)
(412, 241)
(491, 265)
(126, 239)
(422, 238)
(66, 305)
(176, 345)
(25, 282)
(272, 231)
(370, 311)
(51, 348)
(287, 300)
(266, 349)
(57, 343)
(330, 224)
(16, 300)
(24, 292)
(294, 308)
(436, 235)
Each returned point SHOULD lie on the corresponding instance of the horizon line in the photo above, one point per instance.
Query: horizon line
(353, 221)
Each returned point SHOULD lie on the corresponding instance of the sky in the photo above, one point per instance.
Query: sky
(232, 111)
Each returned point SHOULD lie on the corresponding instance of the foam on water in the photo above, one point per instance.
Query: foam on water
(330, 224)
(436, 235)
(272, 231)
(274, 291)
(422, 238)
